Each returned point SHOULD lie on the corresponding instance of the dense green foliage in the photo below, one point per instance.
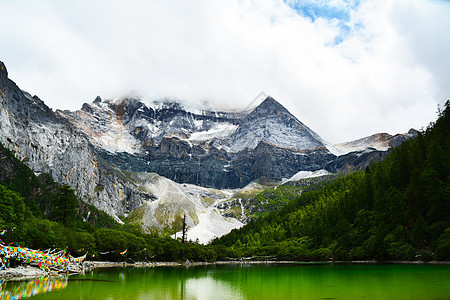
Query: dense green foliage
(274, 199)
(12, 208)
(40, 214)
(44, 197)
(398, 209)
(68, 232)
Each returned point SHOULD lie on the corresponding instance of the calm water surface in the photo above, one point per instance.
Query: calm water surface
(280, 281)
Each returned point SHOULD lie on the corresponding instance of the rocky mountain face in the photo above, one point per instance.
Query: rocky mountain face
(32, 131)
(357, 155)
(273, 124)
(48, 143)
(214, 149)
(378, 141)
(153, 162)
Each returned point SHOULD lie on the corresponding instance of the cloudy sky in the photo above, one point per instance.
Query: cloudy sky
(346, 68)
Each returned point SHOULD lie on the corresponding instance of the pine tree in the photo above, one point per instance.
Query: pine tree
(183, 238)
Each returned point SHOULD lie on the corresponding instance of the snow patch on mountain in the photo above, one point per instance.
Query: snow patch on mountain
(379, 141)
(104, 128)
(211, 225)
(218, 130)
(307, 174)
(174, 200)
(271, 132)
(118, 140)
(345, 148)
(272, 123)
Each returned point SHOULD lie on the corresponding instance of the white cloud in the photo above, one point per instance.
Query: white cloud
(388, 74)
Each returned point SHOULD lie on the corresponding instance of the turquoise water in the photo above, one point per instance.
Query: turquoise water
(272, 281)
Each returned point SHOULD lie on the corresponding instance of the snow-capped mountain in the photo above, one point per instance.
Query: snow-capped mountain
(357, 155)
(378, 141)
(155, 161)
(271, 123)
(132, 126)
(48, 143)
(208, 148)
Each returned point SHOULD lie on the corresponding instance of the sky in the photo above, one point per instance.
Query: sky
(345, 68)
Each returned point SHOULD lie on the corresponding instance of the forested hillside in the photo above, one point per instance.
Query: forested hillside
(397, 209)
(36, 212)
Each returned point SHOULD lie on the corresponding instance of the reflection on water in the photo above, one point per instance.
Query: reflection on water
(297, 281)
(25, 289)
(209, 288)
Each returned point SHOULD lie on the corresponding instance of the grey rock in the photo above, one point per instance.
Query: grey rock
(48, 143)
(272, 123)
(355, 161)
(3, 71)
(268, 143)
(398, 139)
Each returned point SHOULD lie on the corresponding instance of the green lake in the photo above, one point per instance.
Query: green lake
(244, 281)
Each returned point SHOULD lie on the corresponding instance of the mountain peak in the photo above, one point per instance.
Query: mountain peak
(270, 101)
(98, 99)
(272, 123)
(3, 71)
(270, 106)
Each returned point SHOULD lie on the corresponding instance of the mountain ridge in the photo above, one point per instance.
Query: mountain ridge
(99, 149)
(48, 143)
(217, 149)
(263, 124)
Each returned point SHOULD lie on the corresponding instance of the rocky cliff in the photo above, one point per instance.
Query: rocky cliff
(357, 155)
(207, 148)
(48, 143)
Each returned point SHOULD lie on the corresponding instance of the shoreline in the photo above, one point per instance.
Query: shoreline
(90, 265)
(29, 272)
